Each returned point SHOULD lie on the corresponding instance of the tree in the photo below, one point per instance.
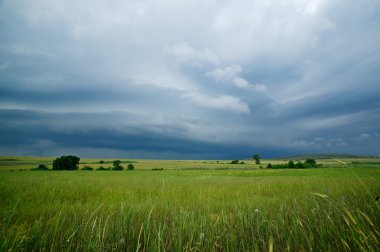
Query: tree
(257, 158)
(66, 163)
(131, 167)
(117, 166)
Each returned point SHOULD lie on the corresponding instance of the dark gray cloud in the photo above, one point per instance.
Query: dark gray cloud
(148, 79)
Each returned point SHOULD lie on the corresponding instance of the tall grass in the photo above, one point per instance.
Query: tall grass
(190, 211)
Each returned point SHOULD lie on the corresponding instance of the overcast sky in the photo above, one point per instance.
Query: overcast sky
(189, 79)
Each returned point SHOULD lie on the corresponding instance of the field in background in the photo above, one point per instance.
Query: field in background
(191, 206)
(27, 163)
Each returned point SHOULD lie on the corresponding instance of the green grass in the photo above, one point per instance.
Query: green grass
(191, 206)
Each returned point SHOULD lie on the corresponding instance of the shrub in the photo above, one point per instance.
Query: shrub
(66, 163)
(101, 162)
(101, 168)
(291, 164)
(41, 167)
(87, 168)
(157, 169)
(234, 161)
(300, 165)
(131, 167)
(310, 162)
(117, 166)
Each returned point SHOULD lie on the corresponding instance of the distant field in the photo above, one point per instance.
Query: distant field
(22, 163)
(190, 206)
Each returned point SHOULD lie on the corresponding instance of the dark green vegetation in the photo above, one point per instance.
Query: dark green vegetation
(191, 205)
(87, 168)
(41, 167)
(117, 166)
(131, 167)
(66, 163)
(257, 158)
(309, 163)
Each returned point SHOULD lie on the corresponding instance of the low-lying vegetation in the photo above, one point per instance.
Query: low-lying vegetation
(41, 167)
(87, 168)
(157, 169)
(101, 168)
(309, 163)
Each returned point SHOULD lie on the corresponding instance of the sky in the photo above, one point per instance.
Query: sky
(176, 79)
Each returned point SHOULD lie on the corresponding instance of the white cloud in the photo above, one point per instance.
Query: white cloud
(226, 73)
(186, 55)
(232, 74)
(223, 102)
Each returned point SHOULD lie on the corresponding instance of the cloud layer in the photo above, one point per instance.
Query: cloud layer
(189, 79)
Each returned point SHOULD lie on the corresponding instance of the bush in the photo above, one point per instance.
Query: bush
(157, 169)
(234, 161)
(291, 164)
(310, 162)
(117, 166)
(87, 168)
(41, 167)
(101, 162)
(101, 168)
(269, 166)
(300, 165)
(131, 167)
(66, 163)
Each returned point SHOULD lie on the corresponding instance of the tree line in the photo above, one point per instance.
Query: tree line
(72, 163)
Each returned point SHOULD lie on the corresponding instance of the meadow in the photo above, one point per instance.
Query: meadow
(201, 205)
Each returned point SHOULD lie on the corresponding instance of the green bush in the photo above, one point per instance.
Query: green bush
(300, 165)
(117, 166)
(291, 164)
(101, 168)
(131, 167)
(87, 168)
(310, 162)
(41, 167)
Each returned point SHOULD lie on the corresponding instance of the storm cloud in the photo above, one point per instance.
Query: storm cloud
(189, 79)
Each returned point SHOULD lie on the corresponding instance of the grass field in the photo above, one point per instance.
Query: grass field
(190, 206)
